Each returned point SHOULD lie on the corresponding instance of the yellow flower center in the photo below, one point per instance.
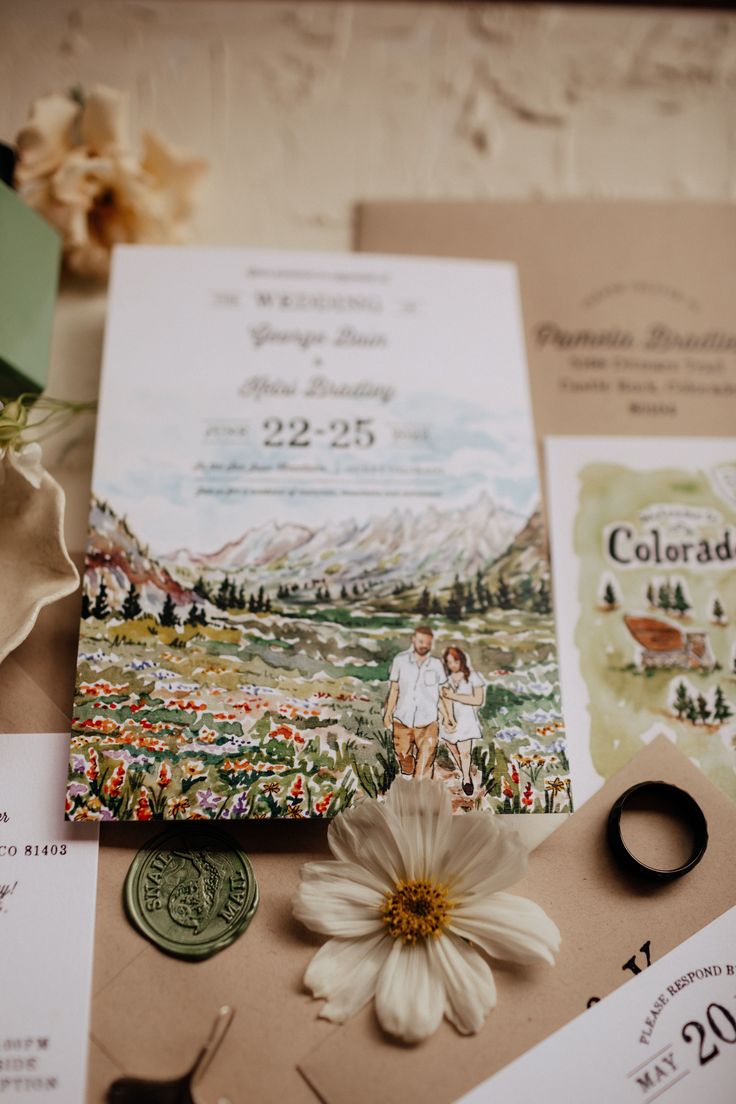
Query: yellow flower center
(416, 909)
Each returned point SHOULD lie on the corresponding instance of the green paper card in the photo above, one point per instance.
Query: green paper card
(643, 534)
(29, 271)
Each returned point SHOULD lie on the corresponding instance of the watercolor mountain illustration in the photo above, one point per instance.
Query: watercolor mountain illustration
(248, 681)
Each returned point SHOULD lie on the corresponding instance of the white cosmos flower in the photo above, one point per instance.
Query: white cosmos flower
(413, 902)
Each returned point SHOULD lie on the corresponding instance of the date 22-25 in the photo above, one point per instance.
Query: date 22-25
(340, 433)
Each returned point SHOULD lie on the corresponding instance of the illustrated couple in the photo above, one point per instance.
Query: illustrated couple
(431, 699)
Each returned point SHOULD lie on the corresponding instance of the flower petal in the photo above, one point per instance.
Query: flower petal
(422, 812)
(178, 171)
(345, 971)
(470, 991)
(331, 902)
(366, 837)
(410, 996)
(47, 136)
(508, 927)
(351, 873)
(485, 856)
(104, 123)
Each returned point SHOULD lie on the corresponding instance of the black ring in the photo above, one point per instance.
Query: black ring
(679, 802)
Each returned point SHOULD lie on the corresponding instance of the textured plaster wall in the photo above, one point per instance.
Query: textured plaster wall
(304, 108)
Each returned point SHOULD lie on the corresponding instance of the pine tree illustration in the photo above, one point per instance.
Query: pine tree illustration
(543, 599)
(195, 616)
(651, 596)
(131, 604)
(504, 598)
(469, 599)
(167, 617)
(101, 610)
(664, 599)
(86, 605)
(681, 699)
(703, 709)
(200, 588)
(717, 611)
(679, 601)
(251, 604)
(458, 593)
(691, 711)
(424, 603)
(525, 593)
(259, 600)
(721, 708)
(223, 594)
(609, 596)
(453, 610)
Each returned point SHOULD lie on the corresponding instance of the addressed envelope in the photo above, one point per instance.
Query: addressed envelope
(628, 307)
(46, 944)
(611, 928)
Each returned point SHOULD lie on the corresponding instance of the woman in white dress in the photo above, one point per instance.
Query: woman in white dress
(464, 693)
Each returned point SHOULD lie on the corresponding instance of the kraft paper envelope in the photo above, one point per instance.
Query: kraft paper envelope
(609, 924)
(628, 307)
(151, 1012)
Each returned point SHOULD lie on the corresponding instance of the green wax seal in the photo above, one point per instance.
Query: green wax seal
(192, 892)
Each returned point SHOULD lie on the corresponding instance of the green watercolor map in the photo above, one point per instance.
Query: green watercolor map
(657, 591)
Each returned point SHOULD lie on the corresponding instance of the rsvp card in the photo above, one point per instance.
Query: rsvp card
(48, 876)
(668, 1034)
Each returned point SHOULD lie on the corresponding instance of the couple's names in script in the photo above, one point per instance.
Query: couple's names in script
(316, 387)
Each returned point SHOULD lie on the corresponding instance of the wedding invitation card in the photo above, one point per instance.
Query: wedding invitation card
(643, 537)
(315, 553)
(48, 877)
(670, 1030)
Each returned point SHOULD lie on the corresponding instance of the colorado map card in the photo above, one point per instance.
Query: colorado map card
(643, 535)
(315, 555)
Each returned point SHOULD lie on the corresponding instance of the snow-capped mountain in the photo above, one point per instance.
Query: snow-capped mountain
(428, 547)
(433, 543)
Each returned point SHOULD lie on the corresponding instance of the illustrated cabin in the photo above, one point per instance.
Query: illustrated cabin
(666, 645)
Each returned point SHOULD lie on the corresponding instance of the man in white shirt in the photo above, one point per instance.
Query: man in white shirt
(414, 705)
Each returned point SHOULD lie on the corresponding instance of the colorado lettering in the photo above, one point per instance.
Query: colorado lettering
(626, 547)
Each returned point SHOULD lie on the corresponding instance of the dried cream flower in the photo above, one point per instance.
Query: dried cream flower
(412, 899)
(77, 169)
